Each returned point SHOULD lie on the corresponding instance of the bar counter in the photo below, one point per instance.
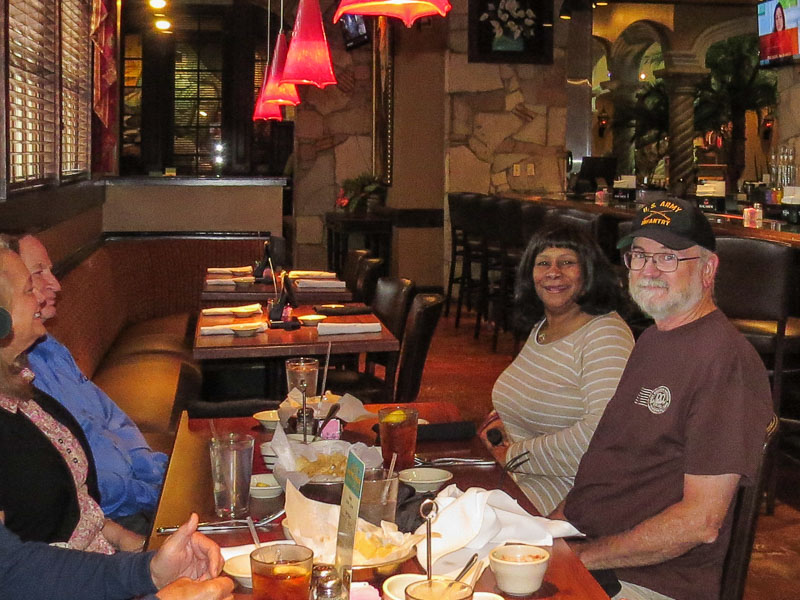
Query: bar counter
(723, 224)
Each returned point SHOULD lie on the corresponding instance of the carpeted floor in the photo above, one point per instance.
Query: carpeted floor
(463, 371)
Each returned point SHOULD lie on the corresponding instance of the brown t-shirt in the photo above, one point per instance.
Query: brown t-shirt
(693, 400)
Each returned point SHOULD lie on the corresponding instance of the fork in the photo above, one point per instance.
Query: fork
(212, 526)
(453, 461)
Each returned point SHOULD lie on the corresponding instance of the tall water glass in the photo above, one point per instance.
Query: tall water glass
(301, 374)
(231, 468)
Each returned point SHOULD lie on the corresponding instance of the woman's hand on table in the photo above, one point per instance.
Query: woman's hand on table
(219, 588)
(121, 538)
(186, 553)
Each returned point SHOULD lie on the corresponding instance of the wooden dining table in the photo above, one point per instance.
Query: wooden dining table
(187, 489)
(261, 291)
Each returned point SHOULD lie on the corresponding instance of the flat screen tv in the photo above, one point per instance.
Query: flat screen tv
(354, 31)
(778, 32)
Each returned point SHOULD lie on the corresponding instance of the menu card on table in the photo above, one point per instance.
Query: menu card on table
(348, 518)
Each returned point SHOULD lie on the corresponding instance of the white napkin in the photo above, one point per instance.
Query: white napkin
(339, 328)
(230, 280)
(350, 407)
(229, 329)
(230, 270)
(478, 521)
(228, 310)
(304, 284)
(312, 274)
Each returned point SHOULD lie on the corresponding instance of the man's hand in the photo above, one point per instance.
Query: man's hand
(186, 553)
(219, 588)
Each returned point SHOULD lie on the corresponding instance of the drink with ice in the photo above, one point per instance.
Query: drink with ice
(301, 374)
(398, 430)
(281, 572)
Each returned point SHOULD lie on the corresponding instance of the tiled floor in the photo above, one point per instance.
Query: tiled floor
(463, 371)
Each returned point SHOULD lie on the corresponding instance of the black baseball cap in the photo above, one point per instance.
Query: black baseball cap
(678, 224)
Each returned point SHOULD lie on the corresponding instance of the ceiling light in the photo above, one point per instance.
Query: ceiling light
(158, 3)
(163, 24)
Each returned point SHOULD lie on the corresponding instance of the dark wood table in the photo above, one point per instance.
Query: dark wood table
(277, 343)
(187, 489)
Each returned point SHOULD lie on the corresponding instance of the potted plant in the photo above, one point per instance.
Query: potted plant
(511, 24)
(361, 193)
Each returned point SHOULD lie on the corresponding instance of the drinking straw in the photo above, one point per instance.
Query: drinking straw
(325, 372)
(274, 281)
(387, 485)
(213, 430)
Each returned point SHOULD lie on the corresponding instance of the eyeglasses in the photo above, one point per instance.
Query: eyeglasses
(666, 262)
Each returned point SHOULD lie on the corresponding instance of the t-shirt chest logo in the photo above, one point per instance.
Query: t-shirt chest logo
(657, 401)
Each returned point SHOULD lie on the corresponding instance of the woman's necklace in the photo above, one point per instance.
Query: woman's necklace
(541, 336)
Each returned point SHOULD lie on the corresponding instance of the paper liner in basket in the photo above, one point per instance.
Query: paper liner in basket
(314, 524)
(288, 452)
(350, 408)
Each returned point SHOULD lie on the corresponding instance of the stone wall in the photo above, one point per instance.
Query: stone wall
(333, 140)
(502, 114)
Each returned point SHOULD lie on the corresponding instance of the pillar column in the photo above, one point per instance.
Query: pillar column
(623, 93)
(681, 79)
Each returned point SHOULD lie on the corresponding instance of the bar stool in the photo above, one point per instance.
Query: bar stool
(755, 288)
(458, 238)
(473, 251)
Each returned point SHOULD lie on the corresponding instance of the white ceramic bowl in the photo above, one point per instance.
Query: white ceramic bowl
(519, 568)
(425, 479)
(264, 486)
(238, 567)
(311, 320)
(241, 312)
(270, 458)
(268, 418)
(245, 329)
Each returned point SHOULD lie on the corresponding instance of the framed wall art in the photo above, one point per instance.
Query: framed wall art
(510, 31)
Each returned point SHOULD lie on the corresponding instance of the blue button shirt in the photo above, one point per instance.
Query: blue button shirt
(129, 473)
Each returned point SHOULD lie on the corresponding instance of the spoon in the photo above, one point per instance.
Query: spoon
(332, 411)
(253, 533)
(470, 563)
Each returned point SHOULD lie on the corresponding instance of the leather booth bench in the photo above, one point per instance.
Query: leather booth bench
(126, 310)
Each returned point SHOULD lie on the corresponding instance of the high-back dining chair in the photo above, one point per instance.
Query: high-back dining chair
(351, 264)
(745, 518)
(756, 288)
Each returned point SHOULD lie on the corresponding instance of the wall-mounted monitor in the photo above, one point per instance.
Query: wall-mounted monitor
(778, 31)
(354, 31)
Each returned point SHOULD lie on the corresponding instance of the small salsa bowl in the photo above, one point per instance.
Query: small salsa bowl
(425, 479)
(519, 568)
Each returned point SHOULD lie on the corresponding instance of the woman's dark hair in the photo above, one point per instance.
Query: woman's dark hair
(602, 290)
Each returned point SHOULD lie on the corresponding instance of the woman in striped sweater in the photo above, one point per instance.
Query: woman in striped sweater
(549, 400)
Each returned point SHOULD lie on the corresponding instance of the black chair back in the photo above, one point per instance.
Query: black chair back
(369, 269)
(392, 302)
(532, 219)
(745, 518)
(351, 264)
(424, 315)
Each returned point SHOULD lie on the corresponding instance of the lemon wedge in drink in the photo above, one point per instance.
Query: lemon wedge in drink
(396, 416)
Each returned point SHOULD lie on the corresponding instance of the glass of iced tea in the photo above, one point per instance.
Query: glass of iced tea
(398, 430)
(281, 572)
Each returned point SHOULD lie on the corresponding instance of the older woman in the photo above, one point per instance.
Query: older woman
(48, 486)
(549, 400)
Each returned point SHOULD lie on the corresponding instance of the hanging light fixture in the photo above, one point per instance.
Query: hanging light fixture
(407, 11)
(309, 59)
(275, 91)
(264, 109)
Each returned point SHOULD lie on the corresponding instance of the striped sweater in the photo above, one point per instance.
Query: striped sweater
(551, 398)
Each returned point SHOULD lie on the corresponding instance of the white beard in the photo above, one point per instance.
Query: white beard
(675, 302)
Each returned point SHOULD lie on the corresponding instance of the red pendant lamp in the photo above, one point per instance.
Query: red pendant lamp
(407, 11)
(309, 59)
(275, 91)
(263, 109)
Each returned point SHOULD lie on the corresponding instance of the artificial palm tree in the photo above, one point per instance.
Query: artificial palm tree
(734, 86)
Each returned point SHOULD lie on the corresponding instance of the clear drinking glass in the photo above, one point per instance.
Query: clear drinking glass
(398, 430)
(379, 496)
(231, 468)
(301, 374)
(281, 572)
